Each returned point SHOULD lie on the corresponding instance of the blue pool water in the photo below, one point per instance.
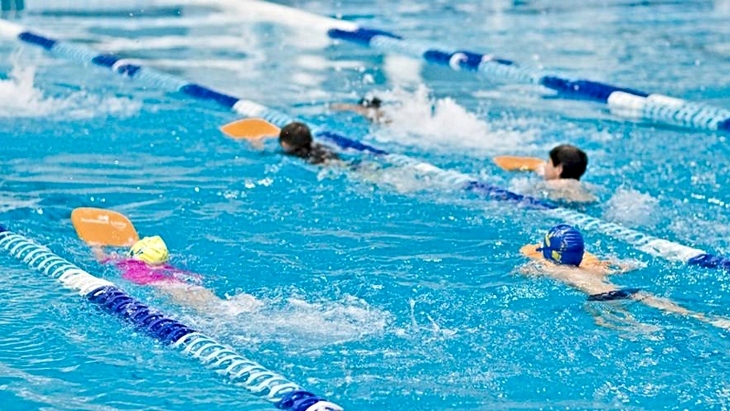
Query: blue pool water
(381, 291)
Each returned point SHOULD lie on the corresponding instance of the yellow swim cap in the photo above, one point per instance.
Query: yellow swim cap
(151, 250)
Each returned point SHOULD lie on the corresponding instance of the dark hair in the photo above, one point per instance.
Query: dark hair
(573, 160)
(298, 136)
(370, 102)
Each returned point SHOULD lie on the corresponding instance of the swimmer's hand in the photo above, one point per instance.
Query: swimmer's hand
(99, 253)
(624, 266)
(344, 107)
(371, 113)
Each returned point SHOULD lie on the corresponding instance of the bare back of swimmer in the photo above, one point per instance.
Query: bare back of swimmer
(562, 256)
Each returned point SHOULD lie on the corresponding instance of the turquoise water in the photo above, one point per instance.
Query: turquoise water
(381, 290)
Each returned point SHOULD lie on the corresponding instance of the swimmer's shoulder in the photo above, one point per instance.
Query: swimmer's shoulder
(530, 251)
(321, 154)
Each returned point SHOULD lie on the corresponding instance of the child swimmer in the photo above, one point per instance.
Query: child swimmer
(146, 264)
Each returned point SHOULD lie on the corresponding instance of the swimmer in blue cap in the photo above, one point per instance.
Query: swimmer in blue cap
(562, 256)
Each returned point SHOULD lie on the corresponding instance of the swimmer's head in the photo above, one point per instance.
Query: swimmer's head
(564, 245)
(151, 250)
(566, 161)
(295, 137)
(370, 102)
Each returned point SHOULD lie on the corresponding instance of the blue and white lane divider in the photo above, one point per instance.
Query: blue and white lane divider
(215, 356)
(651, 245)
(621, 101)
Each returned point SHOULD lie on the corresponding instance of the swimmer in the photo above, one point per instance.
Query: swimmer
(562, 256)
(146, 263)
(296, 140)
(565, 162)
(369, 108)
(561, 173)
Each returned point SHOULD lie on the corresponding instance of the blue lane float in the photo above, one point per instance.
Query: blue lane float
(109, 298)
(622, 101)
(651, 245)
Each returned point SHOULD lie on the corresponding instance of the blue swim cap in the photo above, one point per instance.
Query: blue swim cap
(563, 244)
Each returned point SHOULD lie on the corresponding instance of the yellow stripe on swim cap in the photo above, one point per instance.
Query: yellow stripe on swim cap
(557, 255)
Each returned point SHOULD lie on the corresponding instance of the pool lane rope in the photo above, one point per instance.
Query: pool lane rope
(215, 356)
(621, 101)
(654, 246)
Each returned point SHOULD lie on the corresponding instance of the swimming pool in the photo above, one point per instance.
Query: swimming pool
(381, 291)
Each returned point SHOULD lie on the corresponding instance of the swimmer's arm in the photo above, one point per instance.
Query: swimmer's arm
(530, 251)
(357, 108)
(99, 254)
(102, 257)
(533, 267)
(593, 262)
(371, 113)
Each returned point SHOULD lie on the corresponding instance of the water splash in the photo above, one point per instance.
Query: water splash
(631, 208)
(9, 202)
(19, 97)
(283, 320)
(418, 119)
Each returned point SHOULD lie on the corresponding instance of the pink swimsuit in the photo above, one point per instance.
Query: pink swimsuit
(140, 273)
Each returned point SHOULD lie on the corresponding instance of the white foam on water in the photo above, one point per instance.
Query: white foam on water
(8, 203)
(294, 320)
(418, 119)
(19, 97)
(403, 179)
(631, 208)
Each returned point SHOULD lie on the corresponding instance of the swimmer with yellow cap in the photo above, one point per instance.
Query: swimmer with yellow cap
(562, 256)
(151, 250)
(146, 262)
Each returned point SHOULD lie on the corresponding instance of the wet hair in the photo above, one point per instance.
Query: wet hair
(298, 136)
(573, 160)
(370, 102)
